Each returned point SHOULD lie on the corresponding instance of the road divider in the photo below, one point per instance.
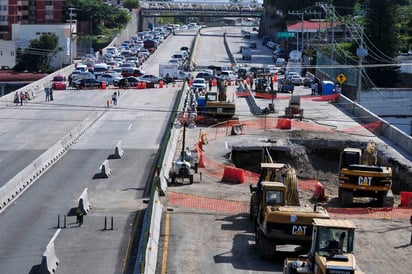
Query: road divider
(49, 261)
(84, 203)
(118, 151)
(105, 170)
(21, 181)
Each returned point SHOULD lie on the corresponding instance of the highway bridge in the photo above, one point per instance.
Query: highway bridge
(200, 9)
(85, 128)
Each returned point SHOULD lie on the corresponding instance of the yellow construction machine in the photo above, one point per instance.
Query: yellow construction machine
(215, 104)
(275, 212)
(362, 176)
(331, 250)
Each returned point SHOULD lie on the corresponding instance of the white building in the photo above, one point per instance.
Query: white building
(7, 54)
(23, 33)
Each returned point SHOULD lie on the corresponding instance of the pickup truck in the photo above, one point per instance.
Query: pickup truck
(246, 53)
(285, 86)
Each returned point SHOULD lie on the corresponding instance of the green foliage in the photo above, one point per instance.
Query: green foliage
(382, 39)
(131, 4)
(37, 56)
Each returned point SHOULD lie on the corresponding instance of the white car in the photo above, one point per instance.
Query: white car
(228, 75)
(110, 78)
(296, 79)
(199, 83)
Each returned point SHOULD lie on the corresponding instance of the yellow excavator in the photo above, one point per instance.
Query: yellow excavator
(362, 176)
(331, 250)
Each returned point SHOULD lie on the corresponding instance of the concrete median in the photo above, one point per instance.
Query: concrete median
(83, 202)
(105, 170)
(49, 261)
(118, 151)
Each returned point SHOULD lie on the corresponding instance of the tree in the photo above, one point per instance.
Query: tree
(381, 40)
(37, 56)
(131, 4)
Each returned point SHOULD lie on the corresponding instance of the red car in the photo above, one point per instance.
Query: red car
(59, 82)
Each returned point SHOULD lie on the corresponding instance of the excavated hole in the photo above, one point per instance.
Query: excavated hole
(312, 159)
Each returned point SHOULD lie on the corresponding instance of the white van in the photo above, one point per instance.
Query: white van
(112, 50)
(100, 68)
(81, 67)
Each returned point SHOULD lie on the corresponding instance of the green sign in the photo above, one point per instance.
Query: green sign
(286, 34)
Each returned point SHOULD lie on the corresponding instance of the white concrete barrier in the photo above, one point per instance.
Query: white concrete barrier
(49, 261)
(83, 202)
(21, 181)
(118, 151)
(105, 170)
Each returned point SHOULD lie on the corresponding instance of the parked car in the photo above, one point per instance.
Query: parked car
(150, 78)
(205, 75)
(199, 83)
(59, 82)
(228, 75)
(110, 78)
(88, 83)
(296, 79)
(131, 81)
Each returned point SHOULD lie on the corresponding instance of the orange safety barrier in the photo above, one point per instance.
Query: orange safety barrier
(248, 80)
(214, 82)
(406, 198)
(233, 175)
(104, 85)
(190, 82)
(274, 78)
(284, 123)
(161, 84)
(319, 193)
(143, 85)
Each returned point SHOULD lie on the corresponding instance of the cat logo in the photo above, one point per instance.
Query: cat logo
(299, 230)
(365, 181)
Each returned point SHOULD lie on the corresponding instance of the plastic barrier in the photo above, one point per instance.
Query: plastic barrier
(160, 84)
(104, 86)
(406, 199)
(84, 203)
(118, 151)
(144, 85)
(105, 169)
(49, 260)
(319, 193)
(233, 175)
(284, 123)
(237, 130)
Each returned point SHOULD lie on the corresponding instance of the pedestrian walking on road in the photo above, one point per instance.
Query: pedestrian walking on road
(47, 92)
(16, 98)
(21, 98)
(114, 98)
(79, 216)
(410, 221)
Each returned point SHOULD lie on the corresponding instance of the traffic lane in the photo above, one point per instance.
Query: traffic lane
(91, 249)
(29, 131)
(164, 53)
(29, 223)
(210, 48)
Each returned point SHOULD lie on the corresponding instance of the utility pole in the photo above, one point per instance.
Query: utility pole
(302, 17)
(329, 9)
(361, 52)
(71, 14)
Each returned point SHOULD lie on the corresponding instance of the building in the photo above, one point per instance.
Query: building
(29, 12)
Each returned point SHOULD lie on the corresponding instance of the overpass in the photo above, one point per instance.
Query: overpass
(199, 9)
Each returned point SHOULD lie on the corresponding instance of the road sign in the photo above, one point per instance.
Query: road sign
(341, 78)
(286, 34)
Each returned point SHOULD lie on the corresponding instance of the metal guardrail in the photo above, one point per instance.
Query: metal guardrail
(205, 9)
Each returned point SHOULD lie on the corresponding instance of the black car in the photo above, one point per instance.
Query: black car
(89, 83)
(131, 82)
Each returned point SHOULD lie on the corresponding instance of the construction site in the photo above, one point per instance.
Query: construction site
(215, 217)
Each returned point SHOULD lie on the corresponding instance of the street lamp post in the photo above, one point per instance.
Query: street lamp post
(71, 14)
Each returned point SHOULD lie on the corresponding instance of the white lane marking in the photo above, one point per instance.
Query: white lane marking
(130, 126)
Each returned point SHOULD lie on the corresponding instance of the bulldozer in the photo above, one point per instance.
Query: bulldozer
(277, 217)
(331, 250)
(215, 104)
(362, 176)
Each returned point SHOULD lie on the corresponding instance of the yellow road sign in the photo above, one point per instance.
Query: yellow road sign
(341, 78)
